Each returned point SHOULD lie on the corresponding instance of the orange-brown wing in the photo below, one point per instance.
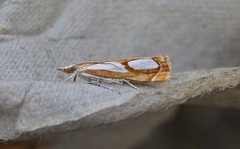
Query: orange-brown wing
(142, 69)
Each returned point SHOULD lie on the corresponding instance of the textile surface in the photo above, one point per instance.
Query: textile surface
(37, 36)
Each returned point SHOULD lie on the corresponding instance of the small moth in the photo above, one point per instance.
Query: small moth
(142, 69)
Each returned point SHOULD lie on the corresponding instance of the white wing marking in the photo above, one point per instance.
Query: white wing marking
(110, 66)
(143, 64)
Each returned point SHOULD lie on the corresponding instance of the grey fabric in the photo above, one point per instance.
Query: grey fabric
(38, 36)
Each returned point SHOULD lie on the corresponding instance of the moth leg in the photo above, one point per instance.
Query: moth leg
(118, 81)
(75, 78)
(92, 78)
(95, 80)
(98, 79)
(72, 75)
(132, 85)
(110, 80)
(86, 78)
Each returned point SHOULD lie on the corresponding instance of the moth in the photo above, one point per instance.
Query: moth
(141, 69)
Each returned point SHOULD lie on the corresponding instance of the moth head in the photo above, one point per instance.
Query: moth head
(67, 69)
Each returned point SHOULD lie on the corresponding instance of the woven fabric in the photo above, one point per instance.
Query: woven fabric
(38, 36)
